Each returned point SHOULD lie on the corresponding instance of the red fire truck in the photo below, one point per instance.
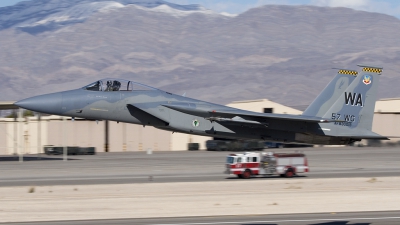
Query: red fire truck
(251, 164)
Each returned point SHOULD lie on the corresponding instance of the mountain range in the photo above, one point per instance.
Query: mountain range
(283, 53)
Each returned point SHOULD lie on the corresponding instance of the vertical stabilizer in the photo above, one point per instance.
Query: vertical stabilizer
(356, 104)
(331, 93)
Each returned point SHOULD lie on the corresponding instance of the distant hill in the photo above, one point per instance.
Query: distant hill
(283, 53)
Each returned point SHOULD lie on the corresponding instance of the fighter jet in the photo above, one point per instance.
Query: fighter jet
(341, 114)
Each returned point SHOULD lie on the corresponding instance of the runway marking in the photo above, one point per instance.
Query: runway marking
(282, 221)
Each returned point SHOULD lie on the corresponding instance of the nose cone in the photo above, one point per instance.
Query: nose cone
(50, 103)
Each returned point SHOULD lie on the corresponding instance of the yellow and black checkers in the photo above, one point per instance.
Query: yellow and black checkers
(349, 72)
(372, 70)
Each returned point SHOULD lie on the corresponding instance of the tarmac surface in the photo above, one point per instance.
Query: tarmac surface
(351, 218)
(185, 166)
(379, 166)
(198, 199)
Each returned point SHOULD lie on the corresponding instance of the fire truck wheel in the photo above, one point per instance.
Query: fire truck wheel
(289, 173)
(246, 174)
(239, 175)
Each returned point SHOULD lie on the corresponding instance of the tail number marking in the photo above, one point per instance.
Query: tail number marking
(348, 119)
(354, 99)
(335, 116)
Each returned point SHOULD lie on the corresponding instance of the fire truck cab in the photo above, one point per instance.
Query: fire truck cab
(251, 164)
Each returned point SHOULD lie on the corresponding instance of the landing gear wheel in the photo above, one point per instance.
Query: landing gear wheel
(246, 174)
(289, 173)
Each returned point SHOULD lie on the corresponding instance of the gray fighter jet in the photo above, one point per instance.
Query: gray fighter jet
(341, 114)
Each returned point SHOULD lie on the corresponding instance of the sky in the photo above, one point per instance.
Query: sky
(390, 7)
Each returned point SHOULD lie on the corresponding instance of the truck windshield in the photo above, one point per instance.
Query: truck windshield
(230, 159)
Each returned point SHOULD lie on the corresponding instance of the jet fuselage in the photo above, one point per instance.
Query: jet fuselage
(115, 106)
(341, 114)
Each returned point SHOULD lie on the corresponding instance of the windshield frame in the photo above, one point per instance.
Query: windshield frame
(116, 84)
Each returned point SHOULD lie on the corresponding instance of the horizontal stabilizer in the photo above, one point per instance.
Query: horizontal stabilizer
(370, 137)
(364, 134)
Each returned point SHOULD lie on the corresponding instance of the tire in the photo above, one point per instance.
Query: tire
(282, 175)
(246, 174)
(239, 175)
(289, 173)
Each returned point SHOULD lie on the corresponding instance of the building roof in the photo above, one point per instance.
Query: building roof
(388, 105)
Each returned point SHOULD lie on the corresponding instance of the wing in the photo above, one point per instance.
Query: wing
(227, 115)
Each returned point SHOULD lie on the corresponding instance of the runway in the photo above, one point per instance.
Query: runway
(346, 186)
(185, 166)
(351, 218)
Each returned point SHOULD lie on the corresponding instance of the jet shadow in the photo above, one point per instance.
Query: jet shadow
(325, 223)
(266, 177)
(260, 224)
(340, 223)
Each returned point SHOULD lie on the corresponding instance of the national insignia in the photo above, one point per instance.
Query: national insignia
(195, 123)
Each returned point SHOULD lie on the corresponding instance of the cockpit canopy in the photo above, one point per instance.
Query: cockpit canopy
(109, 84)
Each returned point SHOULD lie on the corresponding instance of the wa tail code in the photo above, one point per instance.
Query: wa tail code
(354, 99)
